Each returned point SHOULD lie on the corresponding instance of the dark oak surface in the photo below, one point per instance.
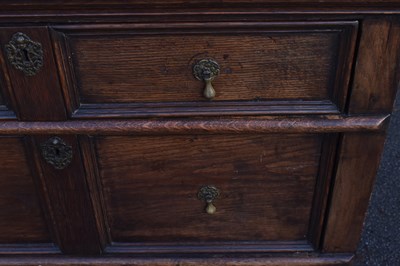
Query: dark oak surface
(360, 153)
(285, 4)
(321, 124)
(204, 108)
(312, 260)
(377, 72)
(150, 186)
(42, 90)
(324, 124)
(322, 188)
(147, 69)
(21, 216)
(358, 163)
(258, 61)
(67, 200)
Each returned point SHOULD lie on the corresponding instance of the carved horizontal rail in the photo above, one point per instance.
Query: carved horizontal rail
(285, 4)
(175, 126)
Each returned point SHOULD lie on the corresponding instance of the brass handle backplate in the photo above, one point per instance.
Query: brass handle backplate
(56, 152)
(25, 54)
(207, 70)
(209, 194)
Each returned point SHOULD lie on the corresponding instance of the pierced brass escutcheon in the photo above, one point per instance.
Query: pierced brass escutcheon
(209, 194)
(56, 152)
(207, 70)
(25, 54)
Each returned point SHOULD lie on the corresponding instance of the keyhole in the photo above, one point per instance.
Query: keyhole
(57, 152)
(25, 54)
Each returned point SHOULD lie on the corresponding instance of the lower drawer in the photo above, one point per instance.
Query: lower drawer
(265, 183)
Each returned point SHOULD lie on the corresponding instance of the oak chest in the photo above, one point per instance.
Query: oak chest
(191, 132)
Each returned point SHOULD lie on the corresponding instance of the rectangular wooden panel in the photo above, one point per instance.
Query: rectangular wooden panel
(266, 182)
(21, 216)
(259, 62)
(158, 68)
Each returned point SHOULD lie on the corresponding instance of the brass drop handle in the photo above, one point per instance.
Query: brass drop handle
(209, 194)
(207, 70)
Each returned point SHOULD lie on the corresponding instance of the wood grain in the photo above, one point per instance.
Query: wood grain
(355, 174)
(21, 216)
(213, 248)
(40, 92)
(287, 61)
(377, 73)
(94, 186)
(293, 148)
(68, 200)
(38, 5)
(167, 11)
(375, 83)
(150, 186)
(310, 260)
(166, 126)
(322, 188)
(210, 108)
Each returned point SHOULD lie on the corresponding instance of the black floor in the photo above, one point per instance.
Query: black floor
(380, 244)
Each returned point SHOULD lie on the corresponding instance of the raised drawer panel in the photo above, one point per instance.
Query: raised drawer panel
(158, 68)
(21, 217)
(151, 184)
(259, 62)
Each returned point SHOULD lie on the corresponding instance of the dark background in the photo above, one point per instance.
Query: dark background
(380, 243)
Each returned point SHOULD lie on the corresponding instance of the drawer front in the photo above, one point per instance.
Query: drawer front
(21, 217)
(151, 187)
(258, 63)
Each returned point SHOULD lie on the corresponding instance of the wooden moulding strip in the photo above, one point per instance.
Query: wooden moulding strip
(219, 247)
(31, 248)
(176, 126)
(341, 259)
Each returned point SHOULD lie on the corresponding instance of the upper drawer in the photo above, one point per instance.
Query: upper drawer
(144, 69)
